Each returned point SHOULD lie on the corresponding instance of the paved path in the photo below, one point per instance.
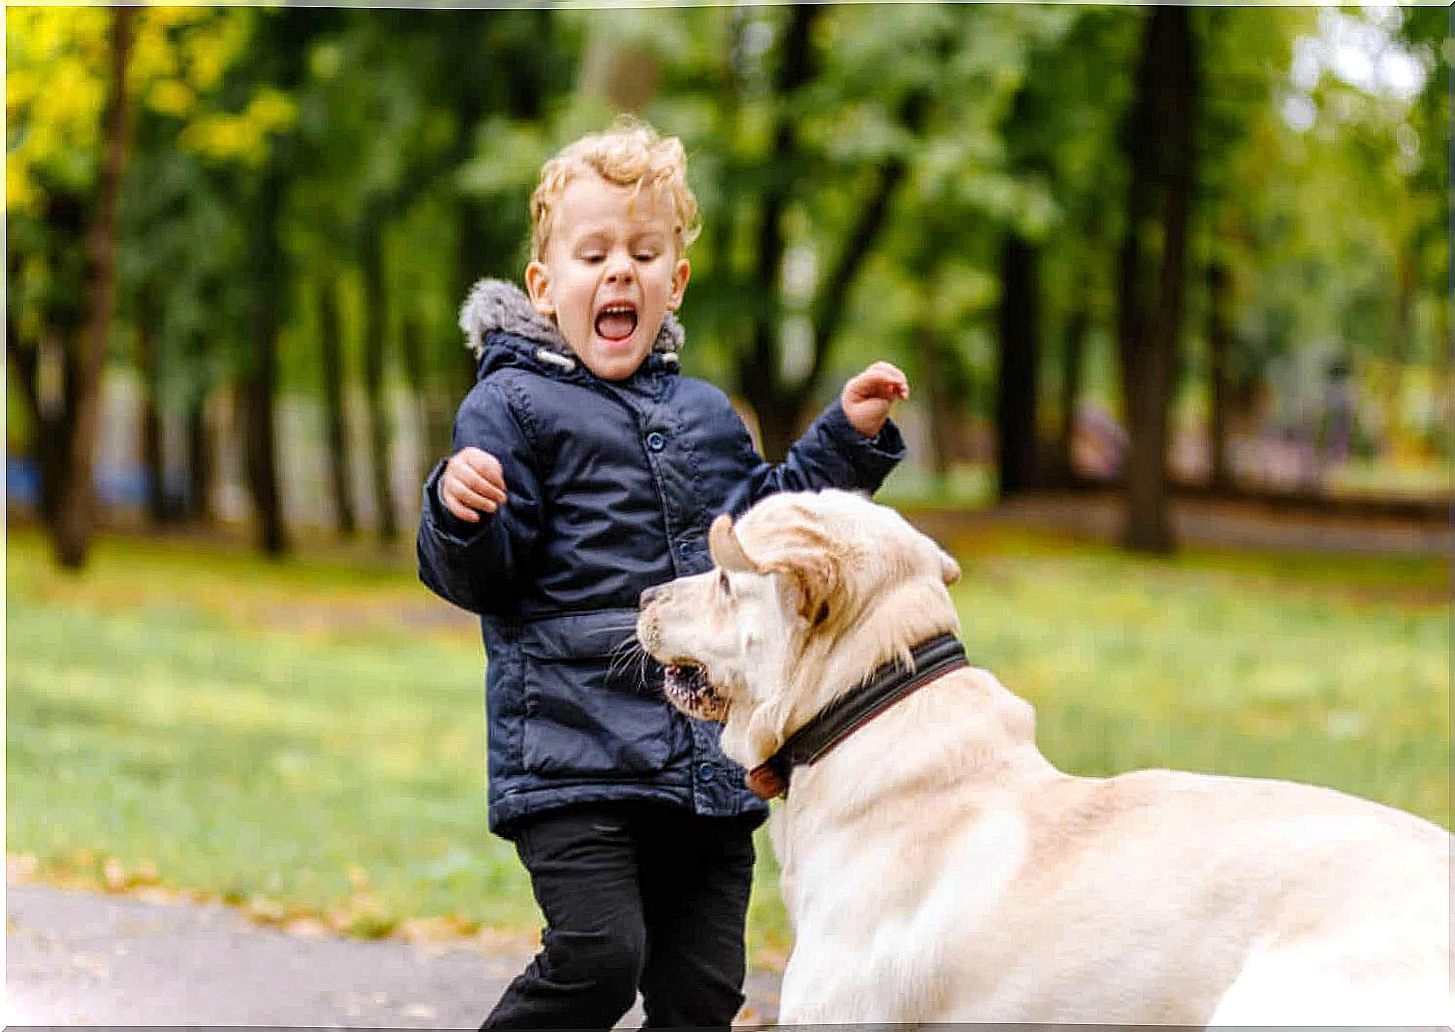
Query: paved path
(83, 958)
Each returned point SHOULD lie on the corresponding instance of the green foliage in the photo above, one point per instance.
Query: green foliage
(425, 129)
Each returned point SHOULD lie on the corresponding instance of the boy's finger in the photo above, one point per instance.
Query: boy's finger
(474, 491)
(459, 511)
(884, 384)
(480, 470)
(888, 370)
(483, 485)
(472, 499)
(484, 464)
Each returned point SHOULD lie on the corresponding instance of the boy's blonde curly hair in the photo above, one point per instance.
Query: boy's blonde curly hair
(630, 153)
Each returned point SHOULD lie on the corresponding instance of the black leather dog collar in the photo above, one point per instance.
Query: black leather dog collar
(883, 688)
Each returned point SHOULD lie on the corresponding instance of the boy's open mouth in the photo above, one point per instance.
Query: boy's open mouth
(616, 321)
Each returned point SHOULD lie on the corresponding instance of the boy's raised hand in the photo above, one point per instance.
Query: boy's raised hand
(866, 398)
(472, 483)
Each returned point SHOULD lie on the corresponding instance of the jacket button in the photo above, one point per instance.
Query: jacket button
(684, 549)
(704, 772)
(656, 441)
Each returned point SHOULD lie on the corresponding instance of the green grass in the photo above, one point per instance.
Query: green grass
(306, 738)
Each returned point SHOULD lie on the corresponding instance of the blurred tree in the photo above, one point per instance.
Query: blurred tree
(336, 435)
(1160, 141)
(75, 511)
(277, 61)
(1030, 134)
(1344, 256)
(504, 110)
(1082, 83)
(837, 127)
(1422, 143)
(1245, 55)
(937, 184)
(56, 86)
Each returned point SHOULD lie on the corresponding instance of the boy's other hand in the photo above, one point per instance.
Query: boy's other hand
(472, 483)
(867, 397)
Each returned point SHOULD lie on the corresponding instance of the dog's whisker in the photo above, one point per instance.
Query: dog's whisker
(622, 660)
(625, 654)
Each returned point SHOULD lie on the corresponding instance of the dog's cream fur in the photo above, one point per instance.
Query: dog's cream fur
(938, 868)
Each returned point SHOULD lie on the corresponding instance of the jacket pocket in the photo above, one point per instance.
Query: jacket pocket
(589, 709)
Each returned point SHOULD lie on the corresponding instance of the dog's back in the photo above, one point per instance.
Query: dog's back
(998, 889)
(1243, 901)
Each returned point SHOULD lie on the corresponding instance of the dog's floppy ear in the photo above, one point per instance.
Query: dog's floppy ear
(949, 569)
(727, 550)
(815, 568)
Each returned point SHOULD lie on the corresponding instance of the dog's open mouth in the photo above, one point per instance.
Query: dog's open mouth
(688, 687)
(685, 680)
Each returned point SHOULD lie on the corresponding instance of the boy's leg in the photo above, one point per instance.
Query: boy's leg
(696, 876)
(583, 865)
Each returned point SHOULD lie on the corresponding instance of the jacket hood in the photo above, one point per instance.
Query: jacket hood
(499, 306)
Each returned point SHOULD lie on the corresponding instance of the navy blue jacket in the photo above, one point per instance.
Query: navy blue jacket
(611, 488)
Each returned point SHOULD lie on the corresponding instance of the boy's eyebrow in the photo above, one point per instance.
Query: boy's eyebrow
(591, 238)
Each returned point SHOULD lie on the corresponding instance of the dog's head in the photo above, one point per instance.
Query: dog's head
(810, 593)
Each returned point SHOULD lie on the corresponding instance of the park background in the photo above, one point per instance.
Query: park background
(1152, 272)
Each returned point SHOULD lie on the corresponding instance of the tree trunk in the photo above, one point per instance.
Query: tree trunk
(48, 415)
(375, 326)
(1016, 388)
(483, 245)
(778, 423)
(775, 405)
(1220, 350)
(1399, 341)
(779, 406)
(1151, 274)
(1073, 365)
(470, 264)
(150, 367)
(75, 508)
(258, 389)
(335, 422)
(430, 418)
(938, 400)
(199, 460)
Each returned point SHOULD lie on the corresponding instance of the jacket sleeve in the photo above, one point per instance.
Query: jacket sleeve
(479, 566)
(831, 453)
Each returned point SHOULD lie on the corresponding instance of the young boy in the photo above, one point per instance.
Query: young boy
(586, 471)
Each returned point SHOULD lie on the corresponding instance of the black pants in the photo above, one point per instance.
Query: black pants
(635, 895)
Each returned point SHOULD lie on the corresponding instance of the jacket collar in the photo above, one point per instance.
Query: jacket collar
(497, 313)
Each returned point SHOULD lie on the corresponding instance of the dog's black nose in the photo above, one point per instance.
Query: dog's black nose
(648, 595)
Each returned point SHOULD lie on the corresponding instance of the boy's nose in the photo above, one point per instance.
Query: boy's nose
(619, 271)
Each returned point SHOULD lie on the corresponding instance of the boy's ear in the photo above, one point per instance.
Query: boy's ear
(538, 285)
(681, 273)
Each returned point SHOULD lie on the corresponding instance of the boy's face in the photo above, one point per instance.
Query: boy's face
(610, 273)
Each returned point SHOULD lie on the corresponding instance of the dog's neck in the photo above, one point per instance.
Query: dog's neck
(835, 659)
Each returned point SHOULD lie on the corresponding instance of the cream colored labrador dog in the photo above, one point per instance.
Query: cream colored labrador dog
(937, 867)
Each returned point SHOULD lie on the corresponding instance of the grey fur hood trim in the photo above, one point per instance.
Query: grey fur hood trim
(495, 305)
